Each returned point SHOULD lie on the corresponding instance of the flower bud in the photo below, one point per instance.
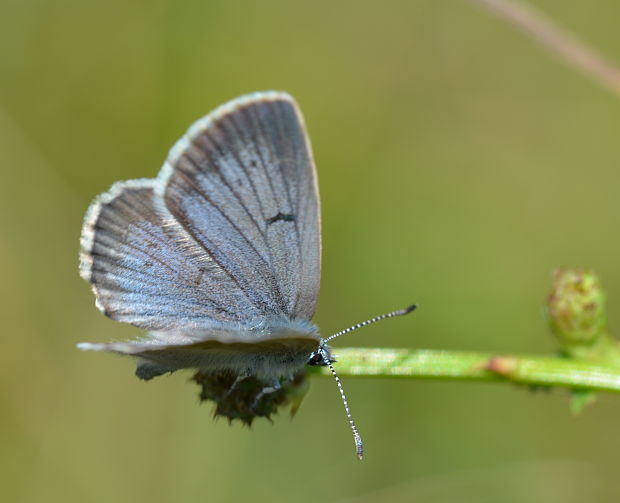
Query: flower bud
(576, 307)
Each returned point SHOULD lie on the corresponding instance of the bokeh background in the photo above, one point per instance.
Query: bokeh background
(459, 164)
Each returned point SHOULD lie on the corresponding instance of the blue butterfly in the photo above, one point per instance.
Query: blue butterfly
(218, 258)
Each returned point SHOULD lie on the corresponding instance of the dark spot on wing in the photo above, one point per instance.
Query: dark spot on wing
(284, 217)
(200, 276)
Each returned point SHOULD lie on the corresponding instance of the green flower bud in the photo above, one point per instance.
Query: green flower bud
(576, 307)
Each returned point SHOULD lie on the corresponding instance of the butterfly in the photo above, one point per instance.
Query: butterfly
(218, 258)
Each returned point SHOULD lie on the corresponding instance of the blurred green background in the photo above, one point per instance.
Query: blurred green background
(459, 164)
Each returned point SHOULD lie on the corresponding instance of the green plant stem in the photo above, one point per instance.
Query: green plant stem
(467, 366)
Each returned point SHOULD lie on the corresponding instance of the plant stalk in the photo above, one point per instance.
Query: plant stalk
(468, 366)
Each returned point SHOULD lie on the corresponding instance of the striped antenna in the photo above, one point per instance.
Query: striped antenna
(400, 312)
(359, 447)
(326, 360)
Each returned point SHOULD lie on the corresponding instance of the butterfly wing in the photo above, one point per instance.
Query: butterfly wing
(242, 183)
(146, 271)
(228, 233)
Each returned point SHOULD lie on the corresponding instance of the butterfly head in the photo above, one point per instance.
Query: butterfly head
(321, 356)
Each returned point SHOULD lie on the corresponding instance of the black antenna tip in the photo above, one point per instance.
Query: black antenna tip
(407, 310)
(359, 448)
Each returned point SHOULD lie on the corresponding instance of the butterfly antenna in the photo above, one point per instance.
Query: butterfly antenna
(359, 447)
(400, 312)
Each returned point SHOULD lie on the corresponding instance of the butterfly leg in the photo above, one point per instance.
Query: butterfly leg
(275, 386)
(239, 378)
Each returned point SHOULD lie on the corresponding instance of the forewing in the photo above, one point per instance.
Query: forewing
(146, 270)
(242, 185)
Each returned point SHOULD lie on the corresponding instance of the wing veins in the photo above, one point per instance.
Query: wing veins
(258, 303)
(240, 164)
(199, 191)
(218, 170)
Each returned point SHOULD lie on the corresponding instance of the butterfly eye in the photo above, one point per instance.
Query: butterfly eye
(315, 359)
